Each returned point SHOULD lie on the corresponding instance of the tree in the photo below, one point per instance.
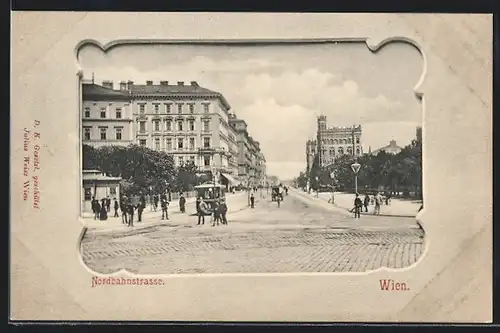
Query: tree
(186, 177)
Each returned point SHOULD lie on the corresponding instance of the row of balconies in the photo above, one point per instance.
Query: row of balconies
(162, 131)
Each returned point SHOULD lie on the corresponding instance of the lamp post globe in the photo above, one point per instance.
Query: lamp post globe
(355, 167)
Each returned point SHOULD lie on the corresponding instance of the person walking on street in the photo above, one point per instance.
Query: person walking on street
(123, 208)
(223, 211)
(252, 200)
(216, 213)
(278, 199)
(357, 206)
(103, 214)
(140, 209)
(164, 209)
(366, 202)
(116, 206)
(202, 211)
(378, 202)
(108, 204)
(130, 211)
(182, 203)
(155, 202)
(95, 208)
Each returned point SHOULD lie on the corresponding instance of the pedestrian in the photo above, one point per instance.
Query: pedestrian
(223, 211)
(123, 208)
(130, 211)
(116, 206)
(198, 200)
(164, 209)
(140, 209)
(216, 213)
(378, 202)
(103, 214)
(95, 208)
(278, 199)
(357, 206)
(202, 211)
(182, 203)
(366, 202)
(155, 202)
(388, 199)
(252, 200)
(108, 204)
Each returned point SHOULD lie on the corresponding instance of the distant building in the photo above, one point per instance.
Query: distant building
(391, 148)
(106, 115)
(333, 142)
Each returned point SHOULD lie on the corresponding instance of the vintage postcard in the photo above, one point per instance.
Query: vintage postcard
(251, 167)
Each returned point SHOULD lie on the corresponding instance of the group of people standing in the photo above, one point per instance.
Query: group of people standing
(217, 211)
(102, 209)
(360, 204)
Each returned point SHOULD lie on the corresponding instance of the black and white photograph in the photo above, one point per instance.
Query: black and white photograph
(251, 158)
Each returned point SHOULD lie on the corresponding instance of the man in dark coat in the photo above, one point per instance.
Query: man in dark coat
(366, 202)
(182, 203)
(124, 209)
(252, 200)
(164, 209)
(357, 206)
(116, 206)
(95, 208)
(103, 214)
(140, 209)
(130, 211)
(223, 211)
(108, 204)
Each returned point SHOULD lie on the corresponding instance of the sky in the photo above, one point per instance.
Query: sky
(279, 90)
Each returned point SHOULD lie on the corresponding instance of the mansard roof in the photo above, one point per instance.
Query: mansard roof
(91, 91)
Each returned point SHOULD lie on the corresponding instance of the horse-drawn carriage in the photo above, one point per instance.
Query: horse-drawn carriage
(276, 194)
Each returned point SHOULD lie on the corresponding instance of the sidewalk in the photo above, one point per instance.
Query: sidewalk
(397, 207)
(236, 202)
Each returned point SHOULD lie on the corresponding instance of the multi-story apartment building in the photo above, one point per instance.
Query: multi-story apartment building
(251, 161)
(188, 121)
(333, 142)
(106, 115)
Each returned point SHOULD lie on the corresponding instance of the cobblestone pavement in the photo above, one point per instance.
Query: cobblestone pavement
(267, 239)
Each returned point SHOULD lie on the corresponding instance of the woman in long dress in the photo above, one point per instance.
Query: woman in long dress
(103, 214)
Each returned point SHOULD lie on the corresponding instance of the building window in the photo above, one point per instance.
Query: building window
(157, 144)
(157, 125)
(191, 143)
(112, 190)
(180, 125)
(86, 133)
(191, 125)
(206, 160)
(142, 127)
(191, 159)
(206, 108)
(142, 108)
(103, 112)
(169, 125)
(88, 194)
(206, 125)
(157, 108)
(206, 142)
(118, 133)
(335, 142)
(179, 108)
(357, 140)
(349, 141)
(357, 151)
(87, 113)
(168, 108)
(169, 144)
(118, 113)
(180, 143)
(341, 151)
(103, 134)
(191, 108)
(181, 160)
(142, 143)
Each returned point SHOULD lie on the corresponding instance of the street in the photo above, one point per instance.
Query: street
(296, 237)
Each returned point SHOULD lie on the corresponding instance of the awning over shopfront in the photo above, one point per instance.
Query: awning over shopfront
(231, 179)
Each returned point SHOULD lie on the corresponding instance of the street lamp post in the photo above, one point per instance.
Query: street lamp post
(332, 176)
(355, 168)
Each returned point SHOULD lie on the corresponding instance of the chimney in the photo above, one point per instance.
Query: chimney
(194, 84)
(164, 83)
(180, 83)
(123, 85)
(149, 83)
(108, 84)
